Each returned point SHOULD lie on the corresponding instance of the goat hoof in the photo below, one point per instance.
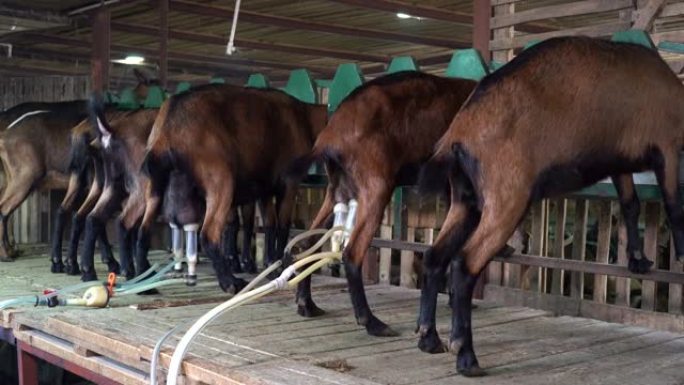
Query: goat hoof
(72, 269)
(57, 267)
(307, 308)
(235, 284)
(467, 365)
(639, 265)
(430, 342)
(377, 328)
(235, 265)
(474, 371)
(88, 276)
(248, 266)
(149, 292)
(129, 274)
(191, 280)
(114, 267)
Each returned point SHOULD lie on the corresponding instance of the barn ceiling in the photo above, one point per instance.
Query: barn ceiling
(273, 36)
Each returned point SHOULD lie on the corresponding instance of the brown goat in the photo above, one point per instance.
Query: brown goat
(35, 154)
(377, 139)
(123, 148)
(560, 116)
(237, 144)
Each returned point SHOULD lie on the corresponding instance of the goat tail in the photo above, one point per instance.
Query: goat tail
(96, 110)
(434, 174)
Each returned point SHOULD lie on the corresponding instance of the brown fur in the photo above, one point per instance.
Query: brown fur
(559, 117)
(376, 140)
(236, 143)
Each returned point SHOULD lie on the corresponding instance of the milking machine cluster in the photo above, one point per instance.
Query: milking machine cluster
(304, 264)
(345, 217)
(98, 294)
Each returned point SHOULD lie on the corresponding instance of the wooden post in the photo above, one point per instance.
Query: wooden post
(603, 249)
(579, 246)
(408, 276)
(28, 367)
(505, 55)
(101, 40)
(536, 243)
(622, 285)
(676, 294)
(482, 12)
(163, 42)
(652, 219)
(385, 267)
(558, 246)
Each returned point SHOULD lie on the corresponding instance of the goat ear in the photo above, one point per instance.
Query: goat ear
(142, 78)
(106, 137)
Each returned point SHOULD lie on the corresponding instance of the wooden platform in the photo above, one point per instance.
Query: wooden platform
(268, 343)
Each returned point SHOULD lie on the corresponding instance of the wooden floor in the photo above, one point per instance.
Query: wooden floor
(268, 343)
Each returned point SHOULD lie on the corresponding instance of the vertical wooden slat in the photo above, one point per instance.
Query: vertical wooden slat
(622, 285)
(28, 368)
(408, 276)
(560, 214)
(536, 243)
(579, 246)
(675, 295)
(385, 267)
(652, 220)
(602, 249)
(503, 33)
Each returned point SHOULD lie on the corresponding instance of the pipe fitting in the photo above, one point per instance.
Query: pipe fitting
(350, 220)
(191, 252)
(340, 211)
(177, 247)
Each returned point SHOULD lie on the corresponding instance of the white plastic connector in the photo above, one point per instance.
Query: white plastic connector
(350, 220)
(191, 252)
(177, 246)
(340, 211)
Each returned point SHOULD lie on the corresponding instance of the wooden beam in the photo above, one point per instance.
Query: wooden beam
(253, 44)
(163, 41)
(593, 31)
(562, 10)
(292, 23)
(482, 12)
(51, 18)
(100, 48)
(429, 12)
(175, 56)
(646, 15)
(27, 70)
(671, 10)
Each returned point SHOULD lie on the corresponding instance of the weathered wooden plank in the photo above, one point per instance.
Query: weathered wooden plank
(652, 221)
(589, 309)
(385, 267)
(672, 9)
(647, 13)
(603, 249)
(502, 34)
(507, 43)
(579, 246)
(560, 213)
(408, 277)
(622, 284)
(562, 10)
(675, 291)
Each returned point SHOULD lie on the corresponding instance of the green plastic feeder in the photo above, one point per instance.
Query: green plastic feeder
(301, 86)
(634, 36)
(257, 81)
(128, 100)
(467, 64)
(671, 46)
(217, 81)
(347, 78)
(155, 97)
(402, 63)
(531, 43)
(182, 87)
(495, 65)
(110, 98)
